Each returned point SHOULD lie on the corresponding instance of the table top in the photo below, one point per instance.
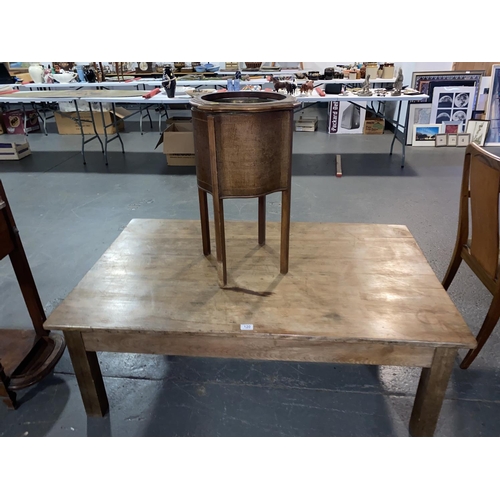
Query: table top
(314, 97)
(156, 82)
(346, 283)
(68, 94)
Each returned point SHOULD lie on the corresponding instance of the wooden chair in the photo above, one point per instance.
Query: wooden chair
(480, 191)
(26, 356)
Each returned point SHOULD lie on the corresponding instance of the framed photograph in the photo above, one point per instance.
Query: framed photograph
(441, 140)
(452, 127)
(426, 81)
(425, 135)
(418, 114)
(463, 139)
(452, 104)
(478, 130)
(493, 108)
(451, 139)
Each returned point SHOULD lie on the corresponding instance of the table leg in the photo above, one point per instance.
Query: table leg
(88, 374)
(430, 392)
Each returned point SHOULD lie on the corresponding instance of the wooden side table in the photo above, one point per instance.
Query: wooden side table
(243, 148)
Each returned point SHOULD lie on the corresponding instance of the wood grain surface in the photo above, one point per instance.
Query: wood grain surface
(349, 283)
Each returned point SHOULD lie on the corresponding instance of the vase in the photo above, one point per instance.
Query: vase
(169, 81)
(36, 73)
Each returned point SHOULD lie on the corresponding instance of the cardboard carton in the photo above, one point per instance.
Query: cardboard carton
(67, 123)
(13, 121)
(178, 143)
(14, 148)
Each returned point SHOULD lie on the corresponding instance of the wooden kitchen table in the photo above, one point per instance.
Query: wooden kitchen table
(354, 293)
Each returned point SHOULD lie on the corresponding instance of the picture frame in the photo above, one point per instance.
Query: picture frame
(441, 140)
(451, 139)
(425, 135)
(452, 104)
(422, 80)
(478, 130)
(452, 128)
(463, 140)
(493, 108)
(418, 113)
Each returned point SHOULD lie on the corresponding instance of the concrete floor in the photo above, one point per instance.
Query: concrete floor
(68, 216)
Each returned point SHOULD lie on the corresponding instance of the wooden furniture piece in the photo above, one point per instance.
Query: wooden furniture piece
(377, 302)
(474, 66)
(243, 149)
(25, 356)
(478, 241)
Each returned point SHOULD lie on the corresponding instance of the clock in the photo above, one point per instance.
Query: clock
(145, 67)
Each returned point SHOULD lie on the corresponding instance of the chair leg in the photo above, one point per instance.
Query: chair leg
(484, 333)
(455, 262)
(285, 231)
(262, 220)
(7, 396)
(205, 227)
(220, 240)
(28, 288)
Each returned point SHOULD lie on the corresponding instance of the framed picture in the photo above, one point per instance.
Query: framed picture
(452, 127)
(452, 104)
(418, 114)
(441, 140)
(451, 139)
(463, 139)
(425, 135)
(493, 108)
(426, 81)
(478, 130)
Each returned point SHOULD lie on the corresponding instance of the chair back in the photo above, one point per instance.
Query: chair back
(481, 186)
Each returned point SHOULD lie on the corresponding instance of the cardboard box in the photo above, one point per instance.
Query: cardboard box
(15, 150)
(374, 126)
(178, 143)
(13, 121)
(345, 118)
(306, 124)
(67, 123)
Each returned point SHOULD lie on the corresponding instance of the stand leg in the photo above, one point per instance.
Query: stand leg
(220, 240)
(285, 231)
(430, 392)
(262, 220)
(88, 374)
(205, 228)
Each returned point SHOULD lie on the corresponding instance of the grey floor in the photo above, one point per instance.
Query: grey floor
(68, 216)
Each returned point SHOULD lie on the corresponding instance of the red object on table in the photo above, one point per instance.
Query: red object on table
(151, 94)
(320, 92)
